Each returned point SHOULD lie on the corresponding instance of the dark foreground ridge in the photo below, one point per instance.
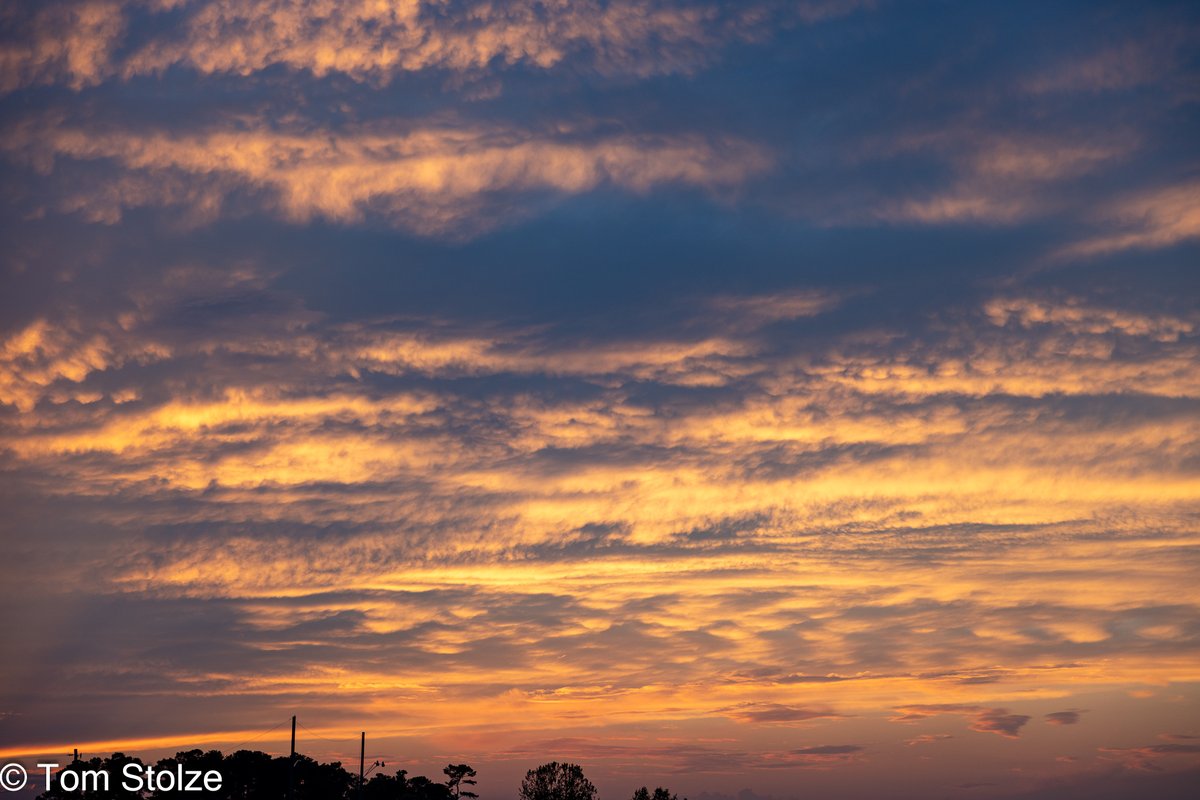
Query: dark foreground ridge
(254, 775)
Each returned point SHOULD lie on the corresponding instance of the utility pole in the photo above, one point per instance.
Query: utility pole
(362, 757)
(292, 758)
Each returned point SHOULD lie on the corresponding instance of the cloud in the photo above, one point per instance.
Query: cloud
(1157, 56)
(1159, 217)
(983, 719)
(1000, 178)
(377, 42)
(721, 401)
(1078, 318)
(775, 713)
(430, 180)
(58, 42)
(688, 757)
(1150, 758)
(927, 738)
(42, 355)
(998, 720)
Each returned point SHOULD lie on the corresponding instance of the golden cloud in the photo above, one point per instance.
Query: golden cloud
(427, 179)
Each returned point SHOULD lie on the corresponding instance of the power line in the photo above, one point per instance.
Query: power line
(316, 735)
(272, 729)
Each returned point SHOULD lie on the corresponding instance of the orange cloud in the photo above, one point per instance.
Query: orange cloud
(369, 40)
(430, 180)
(838, 528)
(1159, 217)
(69, 43)
(1001, 179)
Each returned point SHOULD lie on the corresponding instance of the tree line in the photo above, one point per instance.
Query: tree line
(254, 775)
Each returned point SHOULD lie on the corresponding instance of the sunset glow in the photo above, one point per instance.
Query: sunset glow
(792, 398)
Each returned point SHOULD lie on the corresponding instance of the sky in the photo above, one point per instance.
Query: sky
(759, 399)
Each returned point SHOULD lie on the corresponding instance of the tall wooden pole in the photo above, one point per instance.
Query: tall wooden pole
(292, 758)
(362, 758)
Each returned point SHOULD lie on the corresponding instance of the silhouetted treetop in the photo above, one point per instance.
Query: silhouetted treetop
(458, 777)
(555, 781)
(659, 794)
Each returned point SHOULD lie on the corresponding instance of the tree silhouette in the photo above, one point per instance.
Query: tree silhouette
(421, 788)
(401, 787)
(659, 794)
(251, 775)
(313, 780)
(458, 776)
(386, 787)
(555, 781)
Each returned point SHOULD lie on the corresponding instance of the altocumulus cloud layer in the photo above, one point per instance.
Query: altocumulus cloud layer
(772, 396)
